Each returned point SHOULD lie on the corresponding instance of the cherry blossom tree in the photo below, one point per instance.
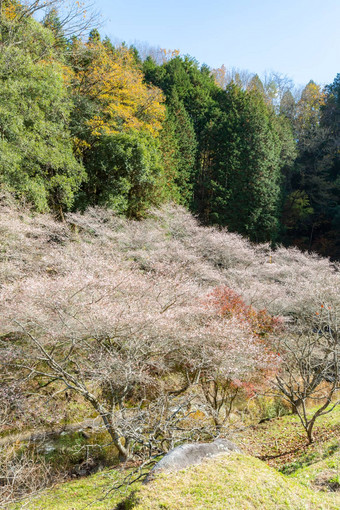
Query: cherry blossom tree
(310, 367)
(124, 314)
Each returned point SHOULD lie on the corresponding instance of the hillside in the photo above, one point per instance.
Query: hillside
(230, 483)
(168, 244)
(169, 265)
(102, 311)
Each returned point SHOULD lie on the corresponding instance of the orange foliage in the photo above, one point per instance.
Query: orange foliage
(169, 54)
(228, 303)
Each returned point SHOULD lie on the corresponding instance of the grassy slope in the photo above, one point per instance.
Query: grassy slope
(324, 475)
(235, 482)
(229, 482)
(76, 495)
(281, 442)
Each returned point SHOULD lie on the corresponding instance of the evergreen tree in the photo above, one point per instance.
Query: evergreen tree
(185, 139)
(312, 202)
(236, 180)
(247, 190)
(190, 97)
(52, 22)
(170, 158)
(330, 119)
(257, 85)
(288, 106)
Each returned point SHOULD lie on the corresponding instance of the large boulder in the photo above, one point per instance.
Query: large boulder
(189, 454)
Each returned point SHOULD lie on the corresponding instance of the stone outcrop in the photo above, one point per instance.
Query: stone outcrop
(190, 454)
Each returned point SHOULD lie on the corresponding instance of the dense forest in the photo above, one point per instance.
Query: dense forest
(86, 122)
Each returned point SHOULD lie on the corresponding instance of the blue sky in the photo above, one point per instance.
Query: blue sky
(299, 38)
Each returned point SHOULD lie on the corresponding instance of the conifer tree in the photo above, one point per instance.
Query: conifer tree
(245, 176)
(185, 139)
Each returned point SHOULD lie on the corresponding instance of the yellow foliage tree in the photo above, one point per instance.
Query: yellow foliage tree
(308, 107)
(9, 9)
(113, 82)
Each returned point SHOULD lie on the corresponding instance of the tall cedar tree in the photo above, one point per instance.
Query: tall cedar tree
(179, 145)
(236, 180)
(246, 180)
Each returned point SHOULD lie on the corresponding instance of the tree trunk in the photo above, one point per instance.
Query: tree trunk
(218, 426)
(295, 405)
(123, 451)
(310, 432)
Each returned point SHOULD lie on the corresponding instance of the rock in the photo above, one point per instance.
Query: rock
(190, 454)
(49, 448)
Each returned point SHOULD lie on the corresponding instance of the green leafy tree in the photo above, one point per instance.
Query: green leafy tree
(36, 149)
(116, 123)
(124, 173)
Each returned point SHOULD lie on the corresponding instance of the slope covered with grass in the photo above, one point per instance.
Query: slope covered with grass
(228, 482)
(231, 482)
(92, 491)
(281, 443)
(292, 474)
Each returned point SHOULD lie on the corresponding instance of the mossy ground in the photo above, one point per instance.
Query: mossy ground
(92, 493)
(231, 482)
(308, 476)
(322, 475)
(282, 442)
